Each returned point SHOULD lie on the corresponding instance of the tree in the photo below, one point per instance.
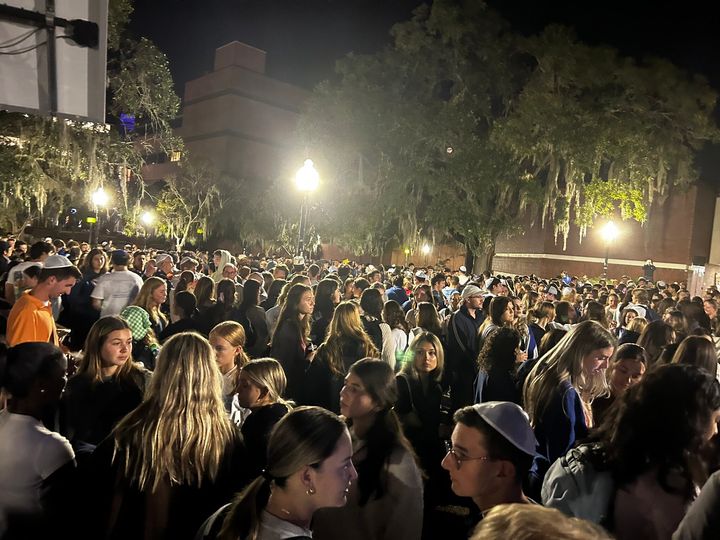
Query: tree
(186, 202)
(460, 128)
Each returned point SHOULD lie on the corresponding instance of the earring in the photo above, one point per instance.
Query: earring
(310, 491)
(42, 390)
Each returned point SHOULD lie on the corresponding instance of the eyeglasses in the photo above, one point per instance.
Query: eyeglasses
(459, 460)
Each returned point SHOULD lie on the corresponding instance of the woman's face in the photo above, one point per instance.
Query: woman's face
(336, 296)
(509, 314)
(625, 373)
(217, 259)
(713, 425)
(355, 402)
(159, 295)
(117, 348)
(224, 352)
(307, 303)
(629, 316)
(597, 361)
(331, 481)
(248, 392)
(425, 357)
(98, 261)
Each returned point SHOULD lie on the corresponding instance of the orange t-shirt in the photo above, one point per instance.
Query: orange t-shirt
(31, 319)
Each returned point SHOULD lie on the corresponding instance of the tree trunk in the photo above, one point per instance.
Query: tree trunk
(484, 259)
(469, 259)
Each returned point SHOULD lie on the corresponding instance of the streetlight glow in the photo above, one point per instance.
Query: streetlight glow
(100, 198)
(425, 249)
(307, 178)
(609, 232)
(147, 218)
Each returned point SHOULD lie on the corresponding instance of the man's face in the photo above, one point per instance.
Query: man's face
(472, 472)
(279, 273)
(474, 302)
(166, 266)
(230, 272)
(139, 262)
(710, 309)
(60, 287)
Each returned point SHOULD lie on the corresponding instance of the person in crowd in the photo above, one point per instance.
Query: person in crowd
(498, 363)
(291, 344)
(252, 317)
(437, 282)
(327, 296)
(539, 317)
(222, 309)
(183, 315)
(501, 313)
(702, 519)
(359, 285)
(151, 297)
(261, 384)
(273, 293)
(106, 386)
(393, 315)
(371, 304)
(559, 391)
(641, 469)
(309, 467)
(165, 270)
(625, 370)
(117, 289)
(387, 501)
(174, 459)
(31, 317)
(490, 453)
(272, 314)
(676, 319)
(145, 342)
(228, 342)
(78, 312)
(346, 343)
(221, 257)
(697, 351)
(462, 345)
(418, 407)
(524, 521)
(37, 466)
(38, 253)
(595, 311)
(397, 291)
(427, 320)
(654, 337)
(138, 263)
(564, 315)
(421, 293)
(205, 294)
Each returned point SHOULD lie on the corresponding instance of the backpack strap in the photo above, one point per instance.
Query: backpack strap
(457, 334)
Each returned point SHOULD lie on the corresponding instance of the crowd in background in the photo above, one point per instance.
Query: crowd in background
(156, 394)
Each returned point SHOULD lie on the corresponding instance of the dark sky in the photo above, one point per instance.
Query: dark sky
(303, 38)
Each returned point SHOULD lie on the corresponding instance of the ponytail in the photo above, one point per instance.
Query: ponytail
(243, 519)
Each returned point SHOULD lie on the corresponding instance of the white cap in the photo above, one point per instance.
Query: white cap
(162, 258)
(463, 269)
(510, 421)
(470, 290)
(57, 261)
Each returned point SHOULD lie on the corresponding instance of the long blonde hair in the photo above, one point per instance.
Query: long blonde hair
(345, 324)
(409, 357)
(180, 432)
(91, 361)
(564, 362)
(268, 374)
(145, 301)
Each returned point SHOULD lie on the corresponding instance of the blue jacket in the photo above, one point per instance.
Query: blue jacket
(398, 294)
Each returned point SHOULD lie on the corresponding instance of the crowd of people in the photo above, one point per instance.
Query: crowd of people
(155, 394)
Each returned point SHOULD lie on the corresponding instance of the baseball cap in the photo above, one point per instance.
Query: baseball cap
(470, 290)
(552, 289)
(162, 257)
(661, 285)
(421, 275)
(492, 282)
(120, 257)
(57, 261)
(510, 421)
(186, 260)
(640, 310)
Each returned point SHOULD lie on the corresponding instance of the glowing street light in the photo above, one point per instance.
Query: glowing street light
(147, 218)
(609, 233)
(306, 181)
(100, 198)
(425, 249)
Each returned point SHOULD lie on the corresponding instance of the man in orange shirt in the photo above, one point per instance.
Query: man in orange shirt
(31, 317)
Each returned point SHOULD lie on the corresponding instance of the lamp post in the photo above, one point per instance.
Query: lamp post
(99, 198)
(425, 251)
(147, 218)
(407, 255)
(306, 181)
(609, 233)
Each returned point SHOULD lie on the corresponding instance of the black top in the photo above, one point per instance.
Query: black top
(256, 432)
(287, 348)
(89, 411)
(426, 403)
(501, 386)
(183, 325)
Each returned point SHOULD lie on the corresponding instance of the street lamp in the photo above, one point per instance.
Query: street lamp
(147, 219)
(609, 233)
(425, 251)
(99, 198)
(306, 181)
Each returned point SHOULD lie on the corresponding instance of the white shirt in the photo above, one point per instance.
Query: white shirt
(29, 454)
(117, 290)
(274, 528)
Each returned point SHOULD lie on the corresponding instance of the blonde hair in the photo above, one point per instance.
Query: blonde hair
(234, 333)
(534, 522)
(268, 374)
(180, 432)
(145, 301)
(345, 324)
(638, 324)
(91, 361)
(564, 362)
(409, 358)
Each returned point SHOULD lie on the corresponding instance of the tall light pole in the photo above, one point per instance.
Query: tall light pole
(147, 218)
(306, 181)
(99, 198)
(609, 233)
(425, 251)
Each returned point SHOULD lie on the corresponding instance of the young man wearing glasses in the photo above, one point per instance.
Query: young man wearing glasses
(490, 454)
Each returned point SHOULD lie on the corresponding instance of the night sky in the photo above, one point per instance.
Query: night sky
(304, 38)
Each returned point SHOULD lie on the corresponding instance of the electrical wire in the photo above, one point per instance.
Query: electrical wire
(12, 42)
(22, 51)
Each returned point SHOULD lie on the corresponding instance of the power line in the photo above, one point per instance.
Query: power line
(19, 39)
(23, 51)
